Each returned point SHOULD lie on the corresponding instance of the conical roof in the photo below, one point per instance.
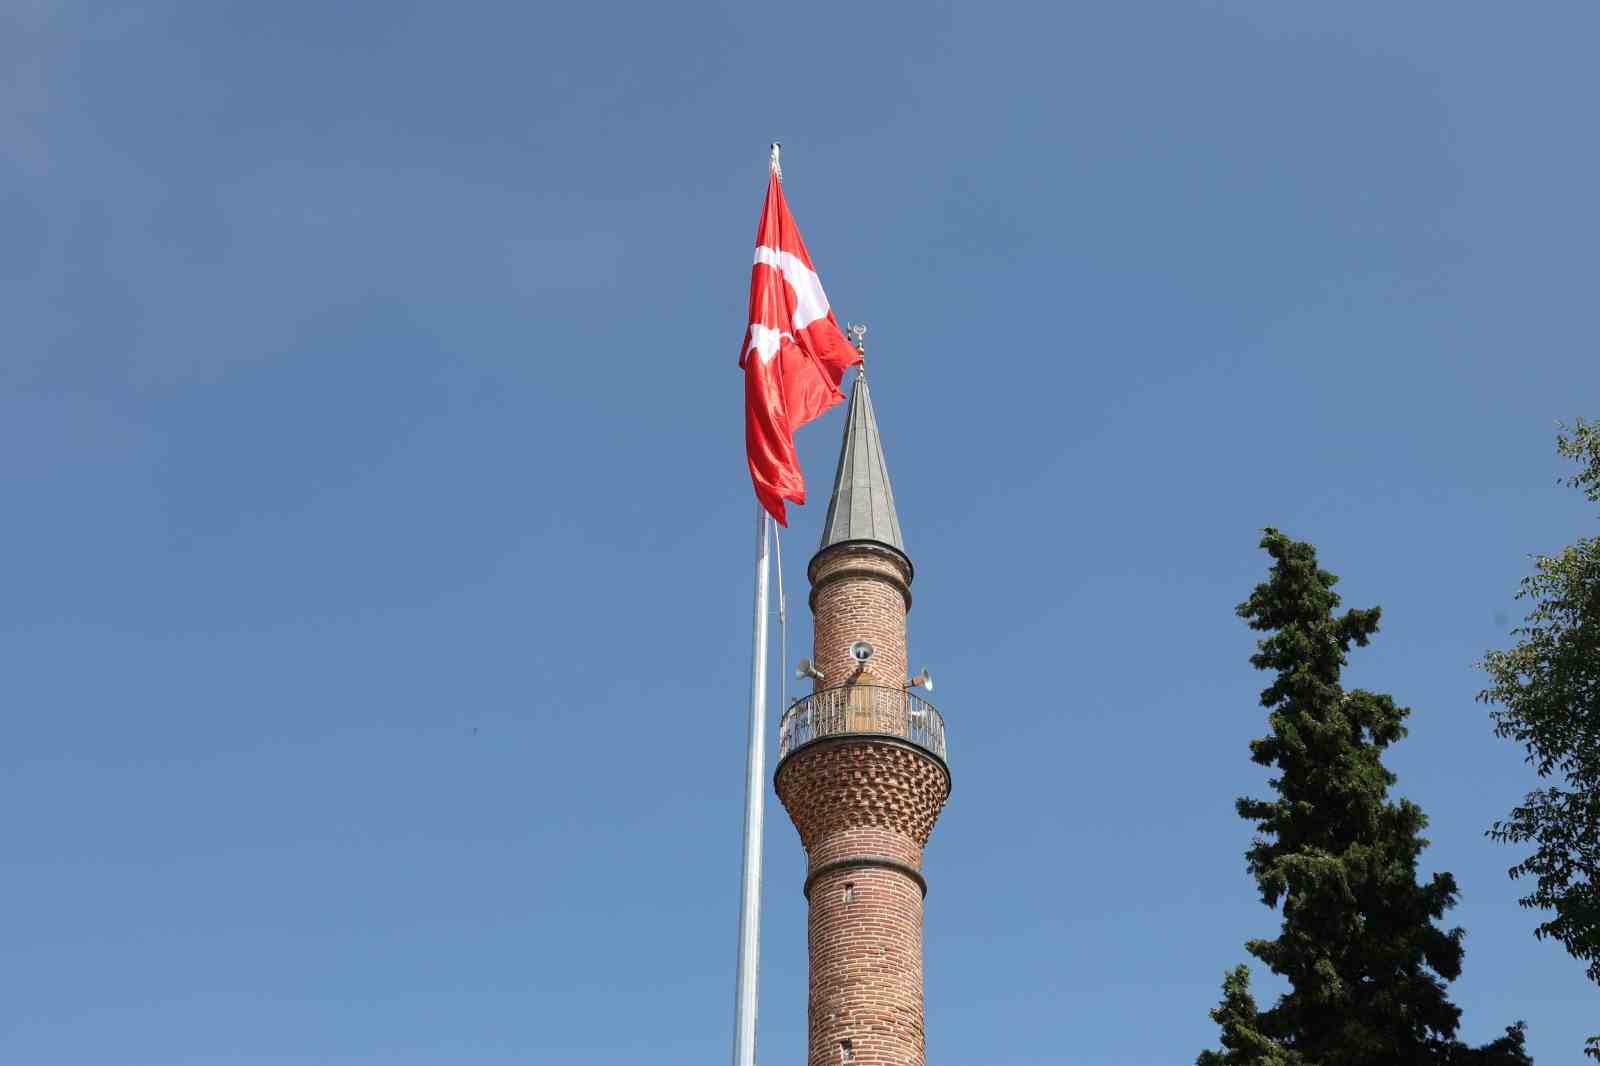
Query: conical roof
(862, 507)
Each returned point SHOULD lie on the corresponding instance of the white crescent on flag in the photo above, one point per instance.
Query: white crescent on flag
(765, 341)
(811, 303)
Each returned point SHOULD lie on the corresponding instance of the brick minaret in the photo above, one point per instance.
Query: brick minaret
(862, 773)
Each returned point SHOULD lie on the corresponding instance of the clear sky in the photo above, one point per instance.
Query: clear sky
(377, 537)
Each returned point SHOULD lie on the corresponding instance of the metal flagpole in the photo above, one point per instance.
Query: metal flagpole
(744, 1013)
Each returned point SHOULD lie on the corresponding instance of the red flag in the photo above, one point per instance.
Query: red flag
(794, 354)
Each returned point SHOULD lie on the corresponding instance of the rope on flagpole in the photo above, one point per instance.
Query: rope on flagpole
(783, 626)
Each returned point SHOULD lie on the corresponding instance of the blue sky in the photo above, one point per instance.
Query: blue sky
(376, 526)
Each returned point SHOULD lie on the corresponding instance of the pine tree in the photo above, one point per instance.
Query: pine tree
(1365, 962)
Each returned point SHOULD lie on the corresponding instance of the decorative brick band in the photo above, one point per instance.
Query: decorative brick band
(888, 739)
(901, 561)
(857, 571)
(852, 781)
(879, 861)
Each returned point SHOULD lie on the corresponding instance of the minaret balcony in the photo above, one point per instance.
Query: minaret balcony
(861, 710)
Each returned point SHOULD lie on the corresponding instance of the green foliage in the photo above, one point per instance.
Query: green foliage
(1547, 689)
(1507, 1051)
(1365, 961)
(1243, 1042)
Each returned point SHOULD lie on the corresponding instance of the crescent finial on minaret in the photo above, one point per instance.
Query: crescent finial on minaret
(858, 337)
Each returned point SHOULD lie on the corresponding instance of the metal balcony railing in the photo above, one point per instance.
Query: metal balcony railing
(878, 709)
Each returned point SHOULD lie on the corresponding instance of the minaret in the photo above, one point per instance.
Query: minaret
(862, 773)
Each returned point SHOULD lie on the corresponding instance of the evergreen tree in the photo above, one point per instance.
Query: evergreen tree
(1548, 689)
(1365, 962)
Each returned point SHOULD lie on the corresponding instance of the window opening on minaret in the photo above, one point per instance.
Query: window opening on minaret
(847, 1051)
(849, 892)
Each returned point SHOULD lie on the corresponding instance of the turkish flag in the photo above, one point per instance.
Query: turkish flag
(794, 355)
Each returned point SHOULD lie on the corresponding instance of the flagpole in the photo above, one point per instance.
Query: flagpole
(744, 1014)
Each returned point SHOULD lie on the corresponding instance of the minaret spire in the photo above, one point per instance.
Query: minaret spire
(862, 505)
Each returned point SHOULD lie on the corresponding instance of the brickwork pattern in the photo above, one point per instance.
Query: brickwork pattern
(865, 946)
(859, 595)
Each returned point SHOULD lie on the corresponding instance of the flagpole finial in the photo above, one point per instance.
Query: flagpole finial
(858, 337)
(777, 170)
